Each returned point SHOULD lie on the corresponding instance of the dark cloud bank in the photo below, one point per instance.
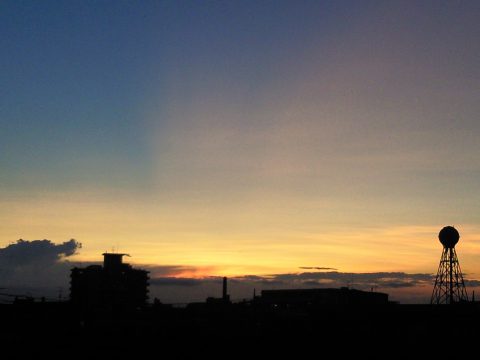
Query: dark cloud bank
(36, 267)
(42, 268)
(171, 289)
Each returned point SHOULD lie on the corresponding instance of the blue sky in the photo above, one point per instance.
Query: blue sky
(78, 75)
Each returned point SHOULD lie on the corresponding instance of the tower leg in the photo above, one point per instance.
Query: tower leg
(449, 285)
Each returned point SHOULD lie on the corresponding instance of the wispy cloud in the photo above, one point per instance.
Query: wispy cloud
(179, 271)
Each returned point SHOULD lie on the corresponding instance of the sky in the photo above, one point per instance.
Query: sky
(242, 138)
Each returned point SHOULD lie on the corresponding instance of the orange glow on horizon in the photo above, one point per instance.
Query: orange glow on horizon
(153, 235)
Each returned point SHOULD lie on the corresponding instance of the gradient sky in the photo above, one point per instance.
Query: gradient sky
(243, 137)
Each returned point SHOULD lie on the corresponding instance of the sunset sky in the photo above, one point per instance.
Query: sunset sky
(243, 137)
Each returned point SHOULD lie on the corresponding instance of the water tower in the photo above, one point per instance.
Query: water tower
(449, 285)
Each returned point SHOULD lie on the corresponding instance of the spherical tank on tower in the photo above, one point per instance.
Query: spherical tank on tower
(449, 237)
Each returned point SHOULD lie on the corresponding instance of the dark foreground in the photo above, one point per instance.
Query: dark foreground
(56, 330)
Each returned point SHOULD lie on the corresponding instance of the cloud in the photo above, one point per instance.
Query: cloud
(182, 281)
(259, 280)
(179, 271)
(316, 268)
(34, 264)
(171, 281)
(401, 286)
(324, 279)
(472, 283)
(359, 280)
(27, 252)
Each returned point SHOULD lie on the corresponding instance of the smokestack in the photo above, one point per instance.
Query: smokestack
(224, 293)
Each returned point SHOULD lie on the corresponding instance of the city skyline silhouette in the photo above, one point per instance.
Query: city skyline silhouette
(50, 255)
(108, 304)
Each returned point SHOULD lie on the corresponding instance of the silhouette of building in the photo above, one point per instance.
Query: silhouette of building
(115, 284)
(342, 296)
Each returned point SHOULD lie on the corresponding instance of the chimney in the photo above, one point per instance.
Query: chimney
(224, 293)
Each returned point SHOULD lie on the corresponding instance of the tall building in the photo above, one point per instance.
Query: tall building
(113, 285)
